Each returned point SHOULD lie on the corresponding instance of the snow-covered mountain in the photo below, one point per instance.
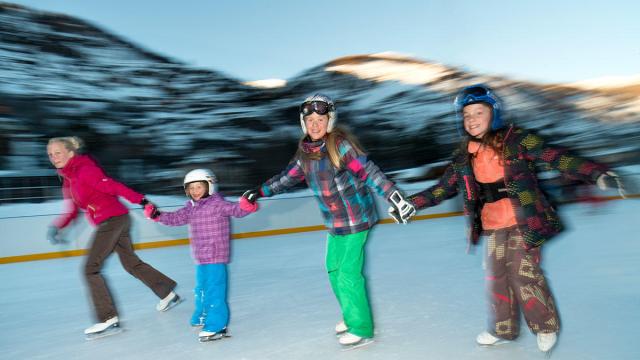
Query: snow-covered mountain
(147, 117)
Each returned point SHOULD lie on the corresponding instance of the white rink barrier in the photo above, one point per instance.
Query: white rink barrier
(24, 226)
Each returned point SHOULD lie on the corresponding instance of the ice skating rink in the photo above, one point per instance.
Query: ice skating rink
(427, 295)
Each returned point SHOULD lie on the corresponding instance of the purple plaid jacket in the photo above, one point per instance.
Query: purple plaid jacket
(209, 228)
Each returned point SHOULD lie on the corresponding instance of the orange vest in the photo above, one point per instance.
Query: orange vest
(487, 169)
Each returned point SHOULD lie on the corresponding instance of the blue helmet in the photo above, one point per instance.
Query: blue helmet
(480, 93)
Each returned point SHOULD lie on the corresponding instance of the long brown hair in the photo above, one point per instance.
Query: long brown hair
(331, 142)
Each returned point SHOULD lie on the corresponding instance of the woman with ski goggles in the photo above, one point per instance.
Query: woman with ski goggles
(317, 106)
(341, 177)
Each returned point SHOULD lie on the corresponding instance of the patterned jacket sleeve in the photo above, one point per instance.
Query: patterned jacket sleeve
(446, 188)
(288, 178)
(175, 218)
(365, 170)
(534, 148)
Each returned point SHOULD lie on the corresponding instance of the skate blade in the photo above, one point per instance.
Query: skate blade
(497, 343)
(105, 333)
(173, 304)
(362, 343)
(215, 337)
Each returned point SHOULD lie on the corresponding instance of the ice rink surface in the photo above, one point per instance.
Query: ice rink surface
(427, 296)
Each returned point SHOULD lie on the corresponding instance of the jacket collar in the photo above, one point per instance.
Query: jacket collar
(214, 197)
(75, 163)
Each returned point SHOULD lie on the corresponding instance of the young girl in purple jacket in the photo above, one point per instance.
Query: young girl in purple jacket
(207, 214)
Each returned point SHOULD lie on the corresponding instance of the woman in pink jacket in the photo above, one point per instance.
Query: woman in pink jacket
(85, 186)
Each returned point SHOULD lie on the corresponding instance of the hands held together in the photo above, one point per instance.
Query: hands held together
(150, 210)
(400, 210)
(248, 200)
(611, 180)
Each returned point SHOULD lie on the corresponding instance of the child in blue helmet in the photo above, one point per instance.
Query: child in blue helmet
(494, 171)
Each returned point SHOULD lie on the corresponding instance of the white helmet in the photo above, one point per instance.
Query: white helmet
(331, 110)
(201, 175)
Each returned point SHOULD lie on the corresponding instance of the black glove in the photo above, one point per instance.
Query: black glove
(54, 237)
(611, 180)
(401, 210)
(252, 195)
(144, 202)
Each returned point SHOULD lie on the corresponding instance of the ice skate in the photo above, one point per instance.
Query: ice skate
(350, 341)
(487, 339)
(546, 341)
(109, 327)
(169, 302)
(205, 336)
(341, 328)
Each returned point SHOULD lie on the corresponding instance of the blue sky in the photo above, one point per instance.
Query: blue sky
(545, 41)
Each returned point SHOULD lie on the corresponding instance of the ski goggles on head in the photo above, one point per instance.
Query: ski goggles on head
(318, 107)
(475, 94)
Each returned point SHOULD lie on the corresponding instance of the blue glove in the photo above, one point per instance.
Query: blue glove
(54, 237)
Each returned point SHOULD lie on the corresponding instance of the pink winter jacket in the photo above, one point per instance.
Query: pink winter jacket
(88, 188)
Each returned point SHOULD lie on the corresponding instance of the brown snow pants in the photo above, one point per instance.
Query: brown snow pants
(515, 281)
(113, 235)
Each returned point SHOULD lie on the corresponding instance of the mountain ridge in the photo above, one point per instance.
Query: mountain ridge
(149, 118)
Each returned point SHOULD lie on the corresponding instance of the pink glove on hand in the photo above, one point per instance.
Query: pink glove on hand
(151, 212)
(246, 205)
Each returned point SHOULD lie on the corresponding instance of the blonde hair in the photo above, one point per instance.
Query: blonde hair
(71, 143)
(331, 142)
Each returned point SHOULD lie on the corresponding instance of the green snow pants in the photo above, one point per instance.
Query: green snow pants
(345, 259)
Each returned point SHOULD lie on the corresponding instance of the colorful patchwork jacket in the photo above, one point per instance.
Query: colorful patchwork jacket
(537, 218)
(343, 194)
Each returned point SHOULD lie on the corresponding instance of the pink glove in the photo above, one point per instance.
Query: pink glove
(151, 212)
(246, 205)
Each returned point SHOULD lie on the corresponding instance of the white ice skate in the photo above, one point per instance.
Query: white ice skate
(205, 336)
(350, 341)
(341, 328)
(546, 341)
(169, 302)
(109, 327)
(487, 339)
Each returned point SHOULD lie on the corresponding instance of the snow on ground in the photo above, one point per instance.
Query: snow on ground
(427, 297)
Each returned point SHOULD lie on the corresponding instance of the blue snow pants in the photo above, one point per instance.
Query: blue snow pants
(211, 309)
